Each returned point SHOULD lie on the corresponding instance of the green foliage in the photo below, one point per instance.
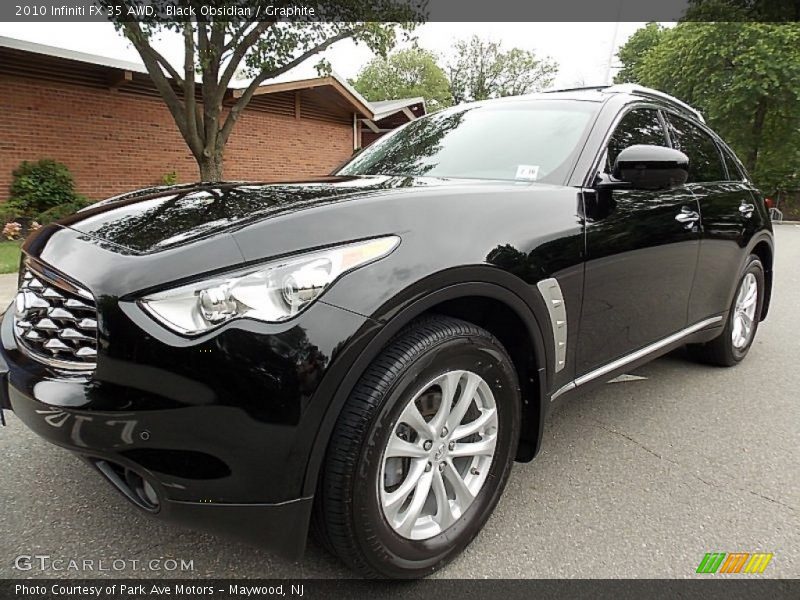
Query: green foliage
(9, 256)
(765, 11)
(405, 74)
(745, 78)
(633, 53)
(481, 69)
(9, 212)
(170, 178)
(37, 186)
(61, 211)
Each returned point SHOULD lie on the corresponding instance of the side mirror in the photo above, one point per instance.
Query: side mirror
(651, 167)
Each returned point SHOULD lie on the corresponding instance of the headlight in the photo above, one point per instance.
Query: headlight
(270, 292)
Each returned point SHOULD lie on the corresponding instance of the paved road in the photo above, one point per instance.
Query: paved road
(637, 479)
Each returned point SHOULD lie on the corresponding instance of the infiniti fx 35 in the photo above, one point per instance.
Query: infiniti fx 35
(366, 354)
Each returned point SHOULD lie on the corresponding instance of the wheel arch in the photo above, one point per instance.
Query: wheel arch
(469, 300)
(763, 248)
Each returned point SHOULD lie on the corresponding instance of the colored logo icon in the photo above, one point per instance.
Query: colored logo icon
(734, 562)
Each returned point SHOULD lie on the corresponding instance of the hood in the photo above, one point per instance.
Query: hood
(157, 219)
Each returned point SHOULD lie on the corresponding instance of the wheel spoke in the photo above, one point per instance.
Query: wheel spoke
(402, 448)
(412, 417)
(394, 500)
(747, 324)
(444, 512)
(449, 384)
(737, 328)
(740, 294)
(468, 391)
(463, 494)
(417, 502)
(488, 417)
(750, 297)
(483, 447)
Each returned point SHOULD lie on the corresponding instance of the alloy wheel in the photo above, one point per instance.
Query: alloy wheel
(438, 455)
(744, 311)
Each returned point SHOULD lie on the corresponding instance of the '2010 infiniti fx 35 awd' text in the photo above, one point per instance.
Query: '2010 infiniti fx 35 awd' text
(367, 353)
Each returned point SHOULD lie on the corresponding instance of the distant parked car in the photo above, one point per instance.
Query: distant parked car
(369, 352)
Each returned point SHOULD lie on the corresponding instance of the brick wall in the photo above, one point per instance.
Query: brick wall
(114, 141)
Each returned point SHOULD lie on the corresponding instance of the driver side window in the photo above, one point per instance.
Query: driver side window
(639, 126)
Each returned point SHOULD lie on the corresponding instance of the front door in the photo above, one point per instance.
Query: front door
(641, 256)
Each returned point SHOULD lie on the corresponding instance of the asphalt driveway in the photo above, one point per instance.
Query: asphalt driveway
(637, 479)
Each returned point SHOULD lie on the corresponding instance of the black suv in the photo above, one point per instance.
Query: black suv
(369, 352)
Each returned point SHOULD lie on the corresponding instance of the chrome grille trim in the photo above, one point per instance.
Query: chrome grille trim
(55, 321)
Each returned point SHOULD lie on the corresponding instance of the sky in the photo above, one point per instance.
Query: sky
(582, 50)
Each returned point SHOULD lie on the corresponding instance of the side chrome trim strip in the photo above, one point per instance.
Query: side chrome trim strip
(634, 356)
(554, 300)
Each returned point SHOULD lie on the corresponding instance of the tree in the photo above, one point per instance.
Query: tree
(405, 74)
(481, 69)
(765, 11)
(214, 50)
(633, 52)
(745, 78)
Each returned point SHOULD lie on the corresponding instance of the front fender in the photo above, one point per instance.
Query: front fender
(477, 281)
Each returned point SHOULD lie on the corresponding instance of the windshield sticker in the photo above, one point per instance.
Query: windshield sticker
(529, 172)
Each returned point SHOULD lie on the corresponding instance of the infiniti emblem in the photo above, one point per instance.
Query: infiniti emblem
(440, 452)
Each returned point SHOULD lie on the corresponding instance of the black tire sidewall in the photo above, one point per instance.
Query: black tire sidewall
(390, 553)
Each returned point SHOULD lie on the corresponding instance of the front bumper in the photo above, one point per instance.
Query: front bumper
(220, 429)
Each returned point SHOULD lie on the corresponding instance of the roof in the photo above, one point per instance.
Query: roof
(385, 108)
(640, 90)
(334, 80)
(92, 59)
(300, 78)
(634, 90)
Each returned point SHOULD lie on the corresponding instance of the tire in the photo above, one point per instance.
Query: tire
(350, 508)
(722, 350)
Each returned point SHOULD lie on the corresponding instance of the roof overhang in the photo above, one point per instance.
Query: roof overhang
(355, 100)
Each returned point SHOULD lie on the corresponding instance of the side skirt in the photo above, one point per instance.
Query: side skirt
(635, 356)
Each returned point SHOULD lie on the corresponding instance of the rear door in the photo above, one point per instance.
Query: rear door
(640, 259)
(728, 211)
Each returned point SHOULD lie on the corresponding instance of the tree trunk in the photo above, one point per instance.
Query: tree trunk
(210, 168)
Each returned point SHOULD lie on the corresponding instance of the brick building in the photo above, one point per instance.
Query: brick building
(104, 119)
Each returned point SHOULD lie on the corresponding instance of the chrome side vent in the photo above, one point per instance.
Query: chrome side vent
(55, 323)
(554, 300)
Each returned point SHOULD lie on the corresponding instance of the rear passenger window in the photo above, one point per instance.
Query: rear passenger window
(705, 161)
(639, 126)
(734, 172)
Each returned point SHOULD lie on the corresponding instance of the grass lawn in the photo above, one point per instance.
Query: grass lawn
(9, 257)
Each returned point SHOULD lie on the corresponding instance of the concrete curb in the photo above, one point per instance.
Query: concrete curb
(786, 222)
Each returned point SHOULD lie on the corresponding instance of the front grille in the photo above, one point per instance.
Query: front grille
(56, 322)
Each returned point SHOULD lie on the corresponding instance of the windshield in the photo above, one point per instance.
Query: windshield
(529, 140)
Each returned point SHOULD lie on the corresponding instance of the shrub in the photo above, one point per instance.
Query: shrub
(9, 211)
(39, 186)
(56, 213)
(12, 231)
(170, 178)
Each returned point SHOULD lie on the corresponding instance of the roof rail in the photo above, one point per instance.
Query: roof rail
(577, 89)
(632, 88)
